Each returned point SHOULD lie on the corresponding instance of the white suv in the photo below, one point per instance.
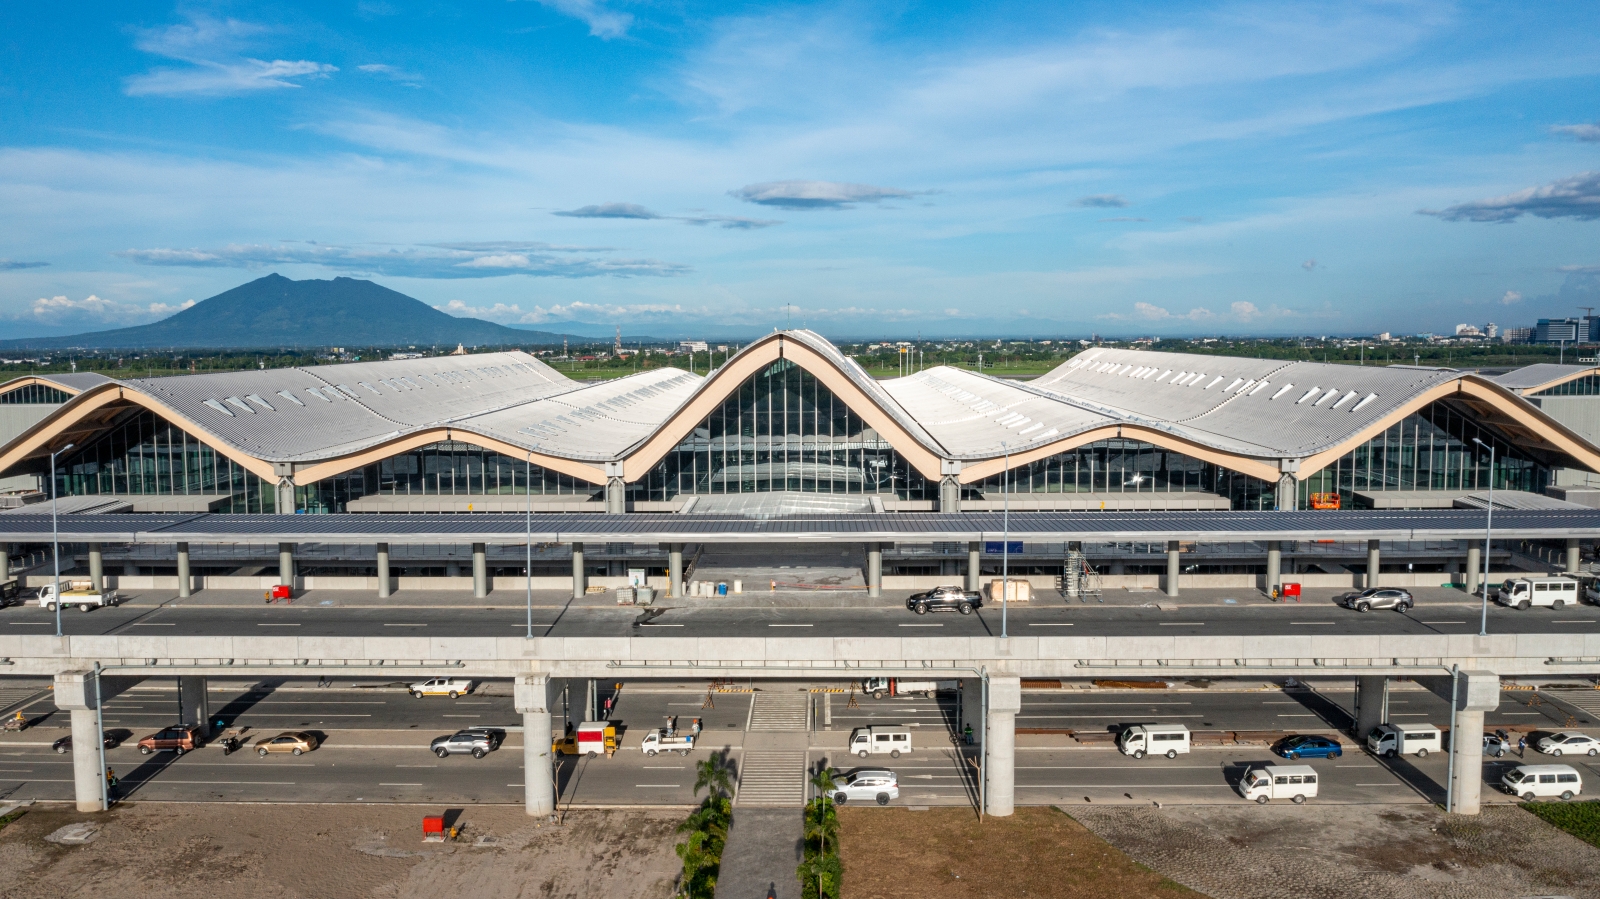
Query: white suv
(866, 783)
(1569, 741)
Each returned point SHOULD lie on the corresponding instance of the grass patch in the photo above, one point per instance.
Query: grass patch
(1581, 819)
(11, 818)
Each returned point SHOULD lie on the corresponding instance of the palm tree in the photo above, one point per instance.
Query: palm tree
(696, 861)
(823, 782)
(711, 821)
(715, 776)
(822, 826)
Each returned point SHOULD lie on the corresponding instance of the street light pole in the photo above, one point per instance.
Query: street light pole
(527, 572)
(1005, 537)
(1488, 535)
(55, 533)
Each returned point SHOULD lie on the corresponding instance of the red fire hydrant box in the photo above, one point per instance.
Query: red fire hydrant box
(1291, 589)
(432, 824)
(280, 591)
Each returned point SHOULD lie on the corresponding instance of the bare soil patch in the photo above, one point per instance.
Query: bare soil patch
(206, 850)
(1332, 852)
(897, 853)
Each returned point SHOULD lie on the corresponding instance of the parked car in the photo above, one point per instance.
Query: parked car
(294, 742)
(1533, 781)
(945, 599)
(467, 741)
(1497, 744)
(878, 784)
(179, 738)
(1306, 746)
(1378, 598)
(64, 745)
(1568, 741)
(441, 686)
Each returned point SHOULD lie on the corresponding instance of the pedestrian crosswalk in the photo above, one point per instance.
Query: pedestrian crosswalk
(772, 780)
(1583, 700)
(17, 694)
(779, 712)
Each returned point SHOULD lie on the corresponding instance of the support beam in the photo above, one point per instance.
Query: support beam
(286, 565)
(1372, 705)
(1174, 567)
(1000, 750)
(88, 778)
(616, 489)
(185, 581)
(592, 700)
(1466, 763)
(283, 496)
(480, 571)
(874, 569)
(675, 569)
(384, 586)
(194, 707)
(1574, 556)
(950, 494)
(97, 568)
(974, 565)
(1374, 564)
(532, 698)
(1274, 565)
(5, 562)
(1474, 569)
(580, 582)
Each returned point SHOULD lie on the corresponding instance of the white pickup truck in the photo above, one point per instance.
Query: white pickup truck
(441, 686)
(658, 741)
(79, 594)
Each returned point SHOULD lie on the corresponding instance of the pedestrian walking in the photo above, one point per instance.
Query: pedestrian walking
(1522, 746)
(111, 785)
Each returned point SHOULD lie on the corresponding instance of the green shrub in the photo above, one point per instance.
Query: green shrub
(1581, 819)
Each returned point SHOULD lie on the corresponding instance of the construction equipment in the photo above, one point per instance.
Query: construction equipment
(1079, 579)
(1325, 501)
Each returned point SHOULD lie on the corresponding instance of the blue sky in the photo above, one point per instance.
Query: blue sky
(679, 169)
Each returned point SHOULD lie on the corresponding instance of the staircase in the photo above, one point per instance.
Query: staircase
(772, 779)
(779, 712)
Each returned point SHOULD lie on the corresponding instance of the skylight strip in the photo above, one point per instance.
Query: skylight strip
(219, 407)
(1229, 388)
(1247, 385)
(290, 397)
(1309, 394)
(1345, 399)
(1213, 383)
(318, 394)
(1365, 400)
(1332, 392)
(1163, 376)
(259, 401)
(1258, 388)
(1281, 391)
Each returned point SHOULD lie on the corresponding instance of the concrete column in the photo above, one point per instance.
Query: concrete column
(592, 700)
(974, 565)
(5, 562)
(480, 571)
(283, 497)
(1374, 564)
(874, 569)
(1474, 569)
(87, 775)
(1274, 564)
(185, 583)
(532, 699)
(675, 569)
(193, 705)
(1372, 704)
(383, 570)
(1466, 768)
(616, 497)
(1000, 752)
(286, 565)
(1574, 556)
(949, 494)
(580, 583)
(97, 567)
(1174, 566)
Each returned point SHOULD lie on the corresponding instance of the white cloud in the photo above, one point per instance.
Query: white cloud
(1152, 313)
(1511, 297)
(603, 23)
(11, 265)
(610, 211)
(816, 194)
(1101, 201)
(95, 309)
(217, 66)
(1589, 133)
(409, 79)
(438, 261)
(1576, 197)
(1309, 265)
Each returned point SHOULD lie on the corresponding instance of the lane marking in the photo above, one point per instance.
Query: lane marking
(237, 783)
(1057, 624)
(788, 625)
(661, 625)
(1143, 786)
(1444, 622)
(1297, 716)
(416, 766)
(153, 624)
(663, 767)
(407, 625)
(399, 785)
(1183, 624)
(258, 624)
(657, 786)
(922, 625)
(461, 716)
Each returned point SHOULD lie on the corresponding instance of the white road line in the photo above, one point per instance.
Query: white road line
(661, 625)
(45, 623)
(1056, 624)
(1144, 786)
(1297, 716)
(399, 785)
(922, 625)
(1106, 767)
(461, 716)
(1444, 622)
(1096, 717)
(259, 624)
(407, 625)
(788, 625)
(238, 783)
(657, 786)
(663, 767)
(1130, 702)
(1313, 622)
(255, 714)
(1183, 624)
(416, 766)
(153, 624)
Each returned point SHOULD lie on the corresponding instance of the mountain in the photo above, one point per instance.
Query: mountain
(277, 312)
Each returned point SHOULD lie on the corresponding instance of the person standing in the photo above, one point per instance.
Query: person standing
(1522, 746)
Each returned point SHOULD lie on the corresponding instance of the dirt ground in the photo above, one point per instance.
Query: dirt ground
(897, 853)
(207, 850)
(1375, 852)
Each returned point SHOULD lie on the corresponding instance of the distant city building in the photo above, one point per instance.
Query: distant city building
(692, 346)
(1517, 335)
(1556, 330)
(1468, 331)
(1492, 331)
(1383, 336)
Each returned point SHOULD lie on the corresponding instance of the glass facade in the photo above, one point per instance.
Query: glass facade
(1588, 385)
(783, 431)
(142, 454)
(449, 468)
(1430, 450)
(1131, 466)
(34, 395)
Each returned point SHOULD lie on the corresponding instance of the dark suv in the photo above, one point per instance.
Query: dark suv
(945, 599)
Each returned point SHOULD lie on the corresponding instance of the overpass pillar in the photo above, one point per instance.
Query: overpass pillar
(675, 569)
(874, 569)
(185, 583)
(1474, 568)
(1274, 565)
(193, 705)
(532, 698)
(616, 490)
(80, 694)
(1374, 564)
(480, 571)
(1574, 555)
(5, 562)
(580, 584)
(1000, 749)
(1372, 704)
(1471, 693)
(286, 565)
(383, 570)
(974, 565)
(1174, 566)
(97, 568)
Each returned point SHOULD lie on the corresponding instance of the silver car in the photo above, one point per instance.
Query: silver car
(474, 741)
(1378, 598)
(1568, 741)
(879, 784)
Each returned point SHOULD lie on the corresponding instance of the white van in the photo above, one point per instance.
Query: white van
(891, 738)
(1163, 739)
(1404, 739)
(1296, 783)
(1524, 592)
(1533, 781)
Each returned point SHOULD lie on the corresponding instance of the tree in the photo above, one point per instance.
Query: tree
(715, 776)
(820, 877)
(699, 866)
(822, 825)
(823, 783)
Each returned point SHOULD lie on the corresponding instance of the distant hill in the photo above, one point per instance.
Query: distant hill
(277, 312)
